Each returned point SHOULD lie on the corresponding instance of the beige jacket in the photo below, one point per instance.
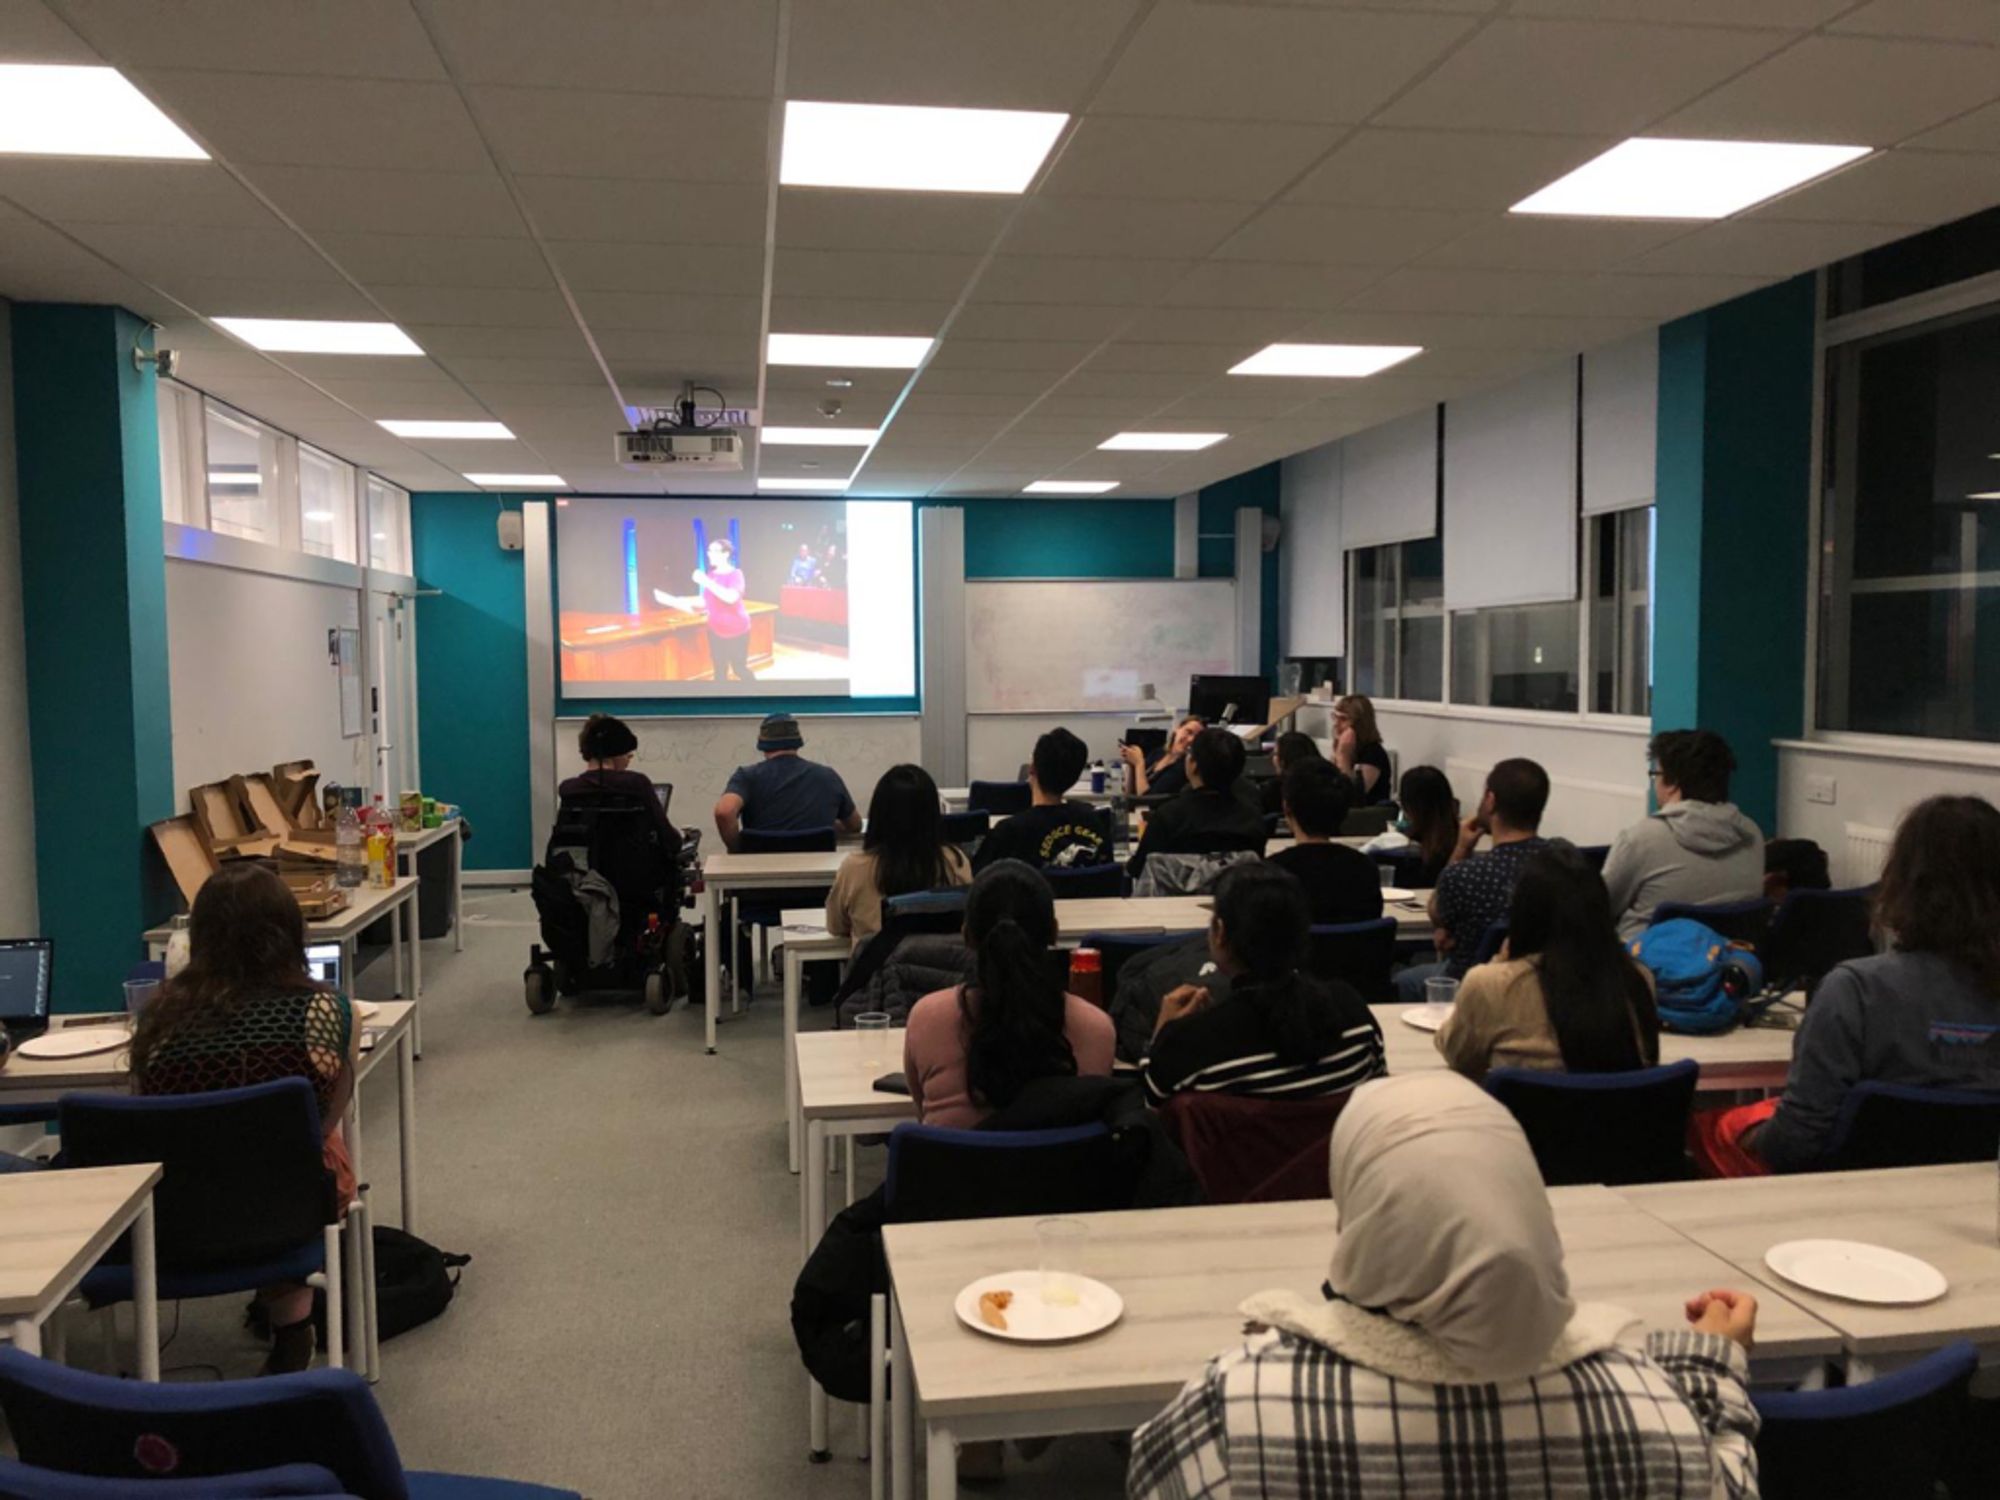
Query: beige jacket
(854, 905)
(1501, 1021)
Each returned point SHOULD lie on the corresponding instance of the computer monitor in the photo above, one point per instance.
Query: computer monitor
(25, 965)
(1235, 700)
(323, 963)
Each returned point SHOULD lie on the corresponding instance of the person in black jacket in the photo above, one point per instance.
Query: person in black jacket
(1052, 831)
(1211, 816)
(1291, 750)
(1341, 884)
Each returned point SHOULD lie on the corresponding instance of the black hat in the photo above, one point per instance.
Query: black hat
(779, 732)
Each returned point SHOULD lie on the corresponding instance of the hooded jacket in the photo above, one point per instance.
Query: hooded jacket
(1700, 852)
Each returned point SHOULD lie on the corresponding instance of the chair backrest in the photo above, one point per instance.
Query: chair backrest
(1491, 941)
(1899, 1125)
(1813, 931)
(244, 1177)
(1366, 822)
(964, 827)
(1255, 1150)
(68, 1419)
(617, 838)
(936, 1173)
(1889, 1436)
(1739, 921)
(1613, 1128)
(1001, 797)
(1116, 948)
(902, 917)
(788, 841)
(309, 1481)
(1077, 882)
(1362, 953)
(1594, 855)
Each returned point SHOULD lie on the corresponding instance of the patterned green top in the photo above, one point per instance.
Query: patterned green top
(305, 1034)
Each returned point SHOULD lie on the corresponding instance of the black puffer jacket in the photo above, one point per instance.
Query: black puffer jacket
(920, 964)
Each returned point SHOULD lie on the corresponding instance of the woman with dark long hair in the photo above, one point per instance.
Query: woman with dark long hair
(1924, 1013)
(245, 1011)
(1281, 1033)
(1564, 994)
(1429, 821)
(971, 1050)
(902, 852)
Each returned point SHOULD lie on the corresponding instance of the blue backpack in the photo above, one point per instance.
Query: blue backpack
(1700, 978)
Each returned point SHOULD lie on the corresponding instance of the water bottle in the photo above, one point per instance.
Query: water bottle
(351, 860)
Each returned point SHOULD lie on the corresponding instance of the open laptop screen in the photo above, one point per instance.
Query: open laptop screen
(24, 978)
(323, 963)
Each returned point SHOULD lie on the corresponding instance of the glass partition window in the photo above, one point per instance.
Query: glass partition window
(243, 458)
(1621, 612)
(1396, 639)
(183, 495)
(326, 505)
(388, 527)
(1909, 588)
(1516, 656)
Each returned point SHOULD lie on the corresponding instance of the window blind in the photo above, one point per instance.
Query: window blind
(1389, 482)
(1312, 569)
(1510, 483)
(1621, 393)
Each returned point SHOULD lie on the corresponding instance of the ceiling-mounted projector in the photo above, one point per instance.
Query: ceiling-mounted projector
(683, 434)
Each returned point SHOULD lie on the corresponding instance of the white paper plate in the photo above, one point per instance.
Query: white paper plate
(1857, 1272)
(77, 1041)
(1030, 1320)
(1397, 893)
(1426, 1017)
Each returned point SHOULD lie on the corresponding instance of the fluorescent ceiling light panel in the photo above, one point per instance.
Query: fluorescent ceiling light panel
(1336, 361)
(805, 484)
(519, 481)
(1162, 442)
(319, 515)
(819, 437)
(84, 111)
(863, 351)
(319, 336)
(224, 478)
(1984, 495)
(428, 429)
(912, 148)
(1070, 487)
(1646, 178)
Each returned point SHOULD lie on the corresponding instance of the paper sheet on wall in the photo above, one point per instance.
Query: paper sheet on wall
(347, 663)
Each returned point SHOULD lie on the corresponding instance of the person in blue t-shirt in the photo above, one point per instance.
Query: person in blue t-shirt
(784, 792)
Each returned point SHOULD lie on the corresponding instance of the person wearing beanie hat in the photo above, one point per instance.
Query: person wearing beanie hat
(607, 745)
(784, 792)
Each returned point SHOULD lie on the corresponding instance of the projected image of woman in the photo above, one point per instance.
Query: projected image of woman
(721, 600)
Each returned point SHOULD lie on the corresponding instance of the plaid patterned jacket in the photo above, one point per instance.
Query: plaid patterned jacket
(1284, 1418)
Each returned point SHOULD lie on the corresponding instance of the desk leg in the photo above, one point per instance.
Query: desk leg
(406, 1123)
(902, 1407)
(794, 983)
(371, 1321)
(146, 1293)
(26, 1335)
(940, 1462)
(815, 1178)
(737, 979)
(457, 842)
(396, 944)
(416, 926)
(349, 975)
(711, 957)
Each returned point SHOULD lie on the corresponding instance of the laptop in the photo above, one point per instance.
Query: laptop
(24, 986)
(323, 963)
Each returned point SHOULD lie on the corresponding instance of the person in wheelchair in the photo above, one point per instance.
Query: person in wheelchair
(608, 891)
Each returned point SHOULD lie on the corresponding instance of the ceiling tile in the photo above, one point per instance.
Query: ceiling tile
(962, 353)
(988, 382)
(1152, 359)
(1523, 243)
(1443, 169)
(437, 260)
(720, 270)
(856, 315)
(131, 192)
(1978, 130)
(668, 213)
(1942, 20)
(834, 219)
(1429, 289)
(350, 38)
(1025, 54)
(671, 312)
(1656, 298)
(1573, 77)
(483, 370)
(1185, 160)
(924, 402)
(1272, 63)
(1244, 329)
(1845, 90)
(1041, 321)
(1325, 234)
(291, 120)
(242, 297)
(1481, 328)
(33, 34)
(1764, 247)
(39, 265)
(1121, 226)
(1265, 284)
(385, 396)
(642, 137)
(447, 339)
(1901, 187)
(720, 47)
(492, 307)
(167, 254)
(351, 201)
(871, 273)
(1794, 14)
(1104, 280)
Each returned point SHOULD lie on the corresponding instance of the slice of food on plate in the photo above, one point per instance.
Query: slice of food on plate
(993, 1308)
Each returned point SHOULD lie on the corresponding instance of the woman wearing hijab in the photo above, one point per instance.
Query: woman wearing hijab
(1447, 1356)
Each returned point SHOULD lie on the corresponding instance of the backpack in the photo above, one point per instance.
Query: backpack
(414, 1282)
(1700, 978)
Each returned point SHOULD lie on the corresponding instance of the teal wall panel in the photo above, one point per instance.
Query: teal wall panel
(1069, 538)
(94, 600)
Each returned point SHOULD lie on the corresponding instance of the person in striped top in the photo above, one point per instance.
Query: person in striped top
(1281, 1034)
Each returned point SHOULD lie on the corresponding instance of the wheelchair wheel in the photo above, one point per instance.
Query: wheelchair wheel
(659, 994)
(540, 988)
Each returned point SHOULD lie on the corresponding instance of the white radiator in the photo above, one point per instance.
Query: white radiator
(1864, 854)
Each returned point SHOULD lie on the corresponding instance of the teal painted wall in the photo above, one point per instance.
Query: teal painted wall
(1217, 548)
(1069, 538)
(1733, 477)
(472, 665)
(94, 591)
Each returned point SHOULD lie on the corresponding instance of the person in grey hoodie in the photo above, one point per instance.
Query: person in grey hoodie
(1698, 847)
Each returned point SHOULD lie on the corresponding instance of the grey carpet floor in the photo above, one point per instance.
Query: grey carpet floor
(624, 1326)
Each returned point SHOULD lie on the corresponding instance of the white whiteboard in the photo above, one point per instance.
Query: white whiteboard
(1058, 646)
(697, 755)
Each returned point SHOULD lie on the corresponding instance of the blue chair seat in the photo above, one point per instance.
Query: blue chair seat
(105, 1284)
(1887, 1437)
(1615, 1128)
(19, 1481)
(429, 1486)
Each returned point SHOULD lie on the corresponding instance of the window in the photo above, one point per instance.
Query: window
(388, 526)
(1922, 263)
(1396, 643)
(326, 505)
(183, 491)
(1621, 612)
(243, 483)
(1909, 587)
(1516, 656)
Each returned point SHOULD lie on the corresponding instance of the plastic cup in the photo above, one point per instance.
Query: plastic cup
(1388, 874)
(1440, 994)
(1061, 1243)
(874, 1028)
(139, 994)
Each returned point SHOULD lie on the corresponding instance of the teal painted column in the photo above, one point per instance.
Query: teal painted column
(94, 592)
(1733, 477)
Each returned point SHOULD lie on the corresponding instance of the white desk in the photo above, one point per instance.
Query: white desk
(410, 845)
(56, 1225)
(959, 798)
(723, 874)
(1183, 1272)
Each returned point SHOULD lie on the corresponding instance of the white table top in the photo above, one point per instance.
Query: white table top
(819, 867)
(1183, 1272)
(366, 904)
(55, 1224)
(411, 843)
(1740, 1058)
(1944, 1215)
(837, 1073)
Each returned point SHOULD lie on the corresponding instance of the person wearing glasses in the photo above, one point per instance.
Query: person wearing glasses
(1699, 847)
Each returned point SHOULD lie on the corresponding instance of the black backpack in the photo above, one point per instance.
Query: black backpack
(414, 1282)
